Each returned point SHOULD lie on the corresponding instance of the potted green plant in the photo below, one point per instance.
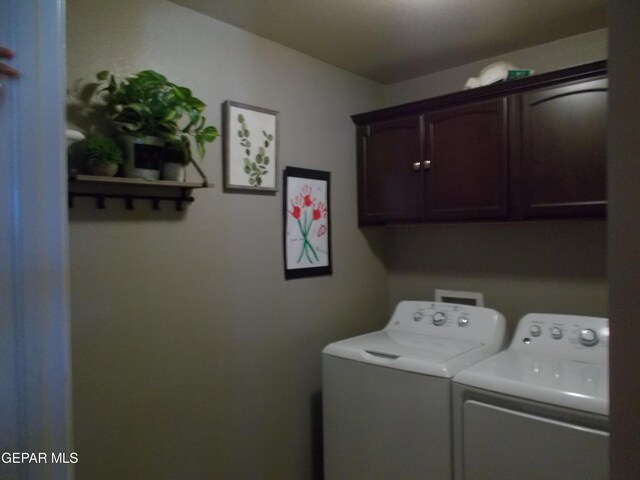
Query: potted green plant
(100, 156)
(152, 111)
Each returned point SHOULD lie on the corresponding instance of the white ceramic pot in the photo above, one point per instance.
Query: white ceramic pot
(143, 156)
(175, 172)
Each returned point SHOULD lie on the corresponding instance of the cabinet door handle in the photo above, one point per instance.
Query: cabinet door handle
(416, 166)
(426, 164)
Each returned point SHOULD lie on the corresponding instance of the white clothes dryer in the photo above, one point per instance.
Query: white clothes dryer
(387, 395)
(539, 409)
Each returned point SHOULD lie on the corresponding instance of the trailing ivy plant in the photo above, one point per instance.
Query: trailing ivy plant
(257, 167)
(147, 104)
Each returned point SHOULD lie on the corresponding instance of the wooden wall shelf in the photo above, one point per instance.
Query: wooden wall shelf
(130, 189)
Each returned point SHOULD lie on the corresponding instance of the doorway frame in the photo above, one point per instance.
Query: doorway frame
(35, 359)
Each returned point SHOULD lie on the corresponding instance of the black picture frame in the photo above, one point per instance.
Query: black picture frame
(306, 223)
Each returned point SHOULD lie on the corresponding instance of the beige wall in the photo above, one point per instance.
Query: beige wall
(544, 267)
(567, 52)
(193, 358)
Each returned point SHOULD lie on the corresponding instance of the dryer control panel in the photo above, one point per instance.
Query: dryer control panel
(574, 337)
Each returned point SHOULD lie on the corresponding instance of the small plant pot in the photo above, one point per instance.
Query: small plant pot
(104, 170)
(143, 157)
(173, 171)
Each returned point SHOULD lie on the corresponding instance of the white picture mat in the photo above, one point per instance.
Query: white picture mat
(318, 235)
(257, 122)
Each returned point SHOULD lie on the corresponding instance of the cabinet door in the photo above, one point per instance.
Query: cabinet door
(466, 162)
(389, 177)
(563, 151)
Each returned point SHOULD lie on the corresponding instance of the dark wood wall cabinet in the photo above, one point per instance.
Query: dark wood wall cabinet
(522, 149)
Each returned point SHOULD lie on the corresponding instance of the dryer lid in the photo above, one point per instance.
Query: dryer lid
(544, 378)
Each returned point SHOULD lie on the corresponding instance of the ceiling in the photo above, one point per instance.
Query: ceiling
(394, 40)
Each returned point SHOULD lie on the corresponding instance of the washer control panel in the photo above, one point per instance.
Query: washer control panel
(585, 337)
(465, 322)
(443, 314)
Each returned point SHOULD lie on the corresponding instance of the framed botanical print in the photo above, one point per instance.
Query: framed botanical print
(250, 148)
(307, 223)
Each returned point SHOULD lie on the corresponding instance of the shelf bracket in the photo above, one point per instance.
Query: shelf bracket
(205, 181)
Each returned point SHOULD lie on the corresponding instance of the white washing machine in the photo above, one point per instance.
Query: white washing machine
(539, 409)
(387, 395)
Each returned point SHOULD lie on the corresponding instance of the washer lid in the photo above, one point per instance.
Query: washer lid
(424, 354)
(543, 378)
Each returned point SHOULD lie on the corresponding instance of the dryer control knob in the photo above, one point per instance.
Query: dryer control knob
(439, 318)
(588, 337)
(535, 331)
(463, 321)
(418, 315)
(556, 333)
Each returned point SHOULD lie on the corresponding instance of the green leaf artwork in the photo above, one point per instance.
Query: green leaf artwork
(257, 166)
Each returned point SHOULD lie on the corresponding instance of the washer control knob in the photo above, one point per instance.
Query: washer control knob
(439, 318)
(418, 315)
(556, 332)
(463, 321)
(535, 330)
(588, 337)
